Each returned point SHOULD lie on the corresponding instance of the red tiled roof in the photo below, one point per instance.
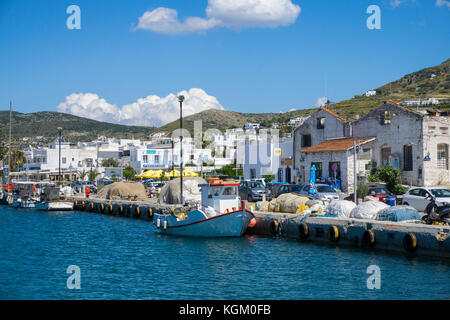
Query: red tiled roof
(333, 114)
(337, 144)
(403, 107)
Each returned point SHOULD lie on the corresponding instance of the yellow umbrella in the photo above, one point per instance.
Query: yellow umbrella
(173, 174)
(146, 174)
(189, 173)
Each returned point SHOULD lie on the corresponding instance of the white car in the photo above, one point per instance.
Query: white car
(417, 197)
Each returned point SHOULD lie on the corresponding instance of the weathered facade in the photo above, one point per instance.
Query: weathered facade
(320, 126)
(416, 142)
(404, 139)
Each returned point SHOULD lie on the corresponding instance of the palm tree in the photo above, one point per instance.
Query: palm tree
(17, 160)
(93, 174)
(82, 174)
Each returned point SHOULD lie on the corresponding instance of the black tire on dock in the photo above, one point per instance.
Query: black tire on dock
(92, 206)
(150, 213)
(110, 208)
(83, 205)
(410, 242)
(121, 210)
(333, 234)
(303, 231)
(368, 238)
(102, 207)
(274, 227)
(75, 205)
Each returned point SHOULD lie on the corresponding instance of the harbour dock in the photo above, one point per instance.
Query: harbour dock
(410, 238)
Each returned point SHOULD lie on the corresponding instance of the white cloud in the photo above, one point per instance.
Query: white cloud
(149, 111)
(321, 102)
(441, 3)
(235, 14)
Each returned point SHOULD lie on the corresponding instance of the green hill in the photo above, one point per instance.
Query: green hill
(423, 84)
(76, 128)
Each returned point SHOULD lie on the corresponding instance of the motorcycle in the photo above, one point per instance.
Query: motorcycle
(436, 213)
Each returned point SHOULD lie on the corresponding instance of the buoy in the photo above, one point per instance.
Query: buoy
(333, 233)
(252, 223)
(368, 238)
(274, 227)
(165, 224)
(158, 223)
(410, 242)
(303, 231)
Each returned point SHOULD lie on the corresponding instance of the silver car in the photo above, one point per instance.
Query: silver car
(417, 197)
(323, 192)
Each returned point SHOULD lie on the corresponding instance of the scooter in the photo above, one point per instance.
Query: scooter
(436, 213)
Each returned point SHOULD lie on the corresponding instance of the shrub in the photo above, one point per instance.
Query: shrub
(362, 190)
(391, 176)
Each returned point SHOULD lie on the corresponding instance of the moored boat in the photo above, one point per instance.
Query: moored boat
(219, 215)
(50, 200)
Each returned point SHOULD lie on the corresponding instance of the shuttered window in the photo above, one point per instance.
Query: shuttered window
(407, 158)
(306, 140)
(442, 156)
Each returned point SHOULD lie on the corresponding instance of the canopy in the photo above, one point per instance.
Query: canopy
(176, 173)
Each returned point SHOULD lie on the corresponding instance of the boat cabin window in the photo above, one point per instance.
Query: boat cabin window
(229, 191)
(216, 191)
(210, 193)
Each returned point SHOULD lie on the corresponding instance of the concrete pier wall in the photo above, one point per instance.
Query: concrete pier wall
(412, 238)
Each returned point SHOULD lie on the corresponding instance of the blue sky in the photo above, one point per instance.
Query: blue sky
(326, 51)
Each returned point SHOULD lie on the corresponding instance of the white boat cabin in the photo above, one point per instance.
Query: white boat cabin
(223, 197)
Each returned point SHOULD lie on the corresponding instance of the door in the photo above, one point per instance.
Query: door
(413, 198)
(422, 201)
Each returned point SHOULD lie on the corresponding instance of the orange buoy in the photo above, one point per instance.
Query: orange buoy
(252, 223)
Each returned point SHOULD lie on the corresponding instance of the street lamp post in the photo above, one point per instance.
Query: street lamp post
(59, 139)
(181, 99)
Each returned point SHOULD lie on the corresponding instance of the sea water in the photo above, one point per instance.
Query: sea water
(123, 258)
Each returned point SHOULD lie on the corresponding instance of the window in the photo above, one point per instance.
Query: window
(385, 153)
(442, 156)
(318, 168)
(306, 140)
(407, 158)
(415, 192)
(64, 160)
(252, 173)
(229, 191)
(321, 123)
(145, 158)
(280, 174)
(386, 118)
(156, 158)
(331, 171)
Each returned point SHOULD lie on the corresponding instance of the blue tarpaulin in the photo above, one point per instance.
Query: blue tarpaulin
(398, 213)
(312, 181)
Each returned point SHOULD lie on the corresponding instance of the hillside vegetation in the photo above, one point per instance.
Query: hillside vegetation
(423, 84)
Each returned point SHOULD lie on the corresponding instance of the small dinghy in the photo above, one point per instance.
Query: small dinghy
(219, 215)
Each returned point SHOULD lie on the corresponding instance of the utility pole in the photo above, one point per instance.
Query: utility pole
(181, 99)
(59, 139)
(355, 178)
(9, 149)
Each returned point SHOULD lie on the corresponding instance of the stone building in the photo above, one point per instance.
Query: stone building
(416, 142)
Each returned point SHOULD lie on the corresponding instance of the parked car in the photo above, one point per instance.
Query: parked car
(286, 188)
(252, 191)
(323, 192)
(378, 192)
(417, 197)
(80, 185)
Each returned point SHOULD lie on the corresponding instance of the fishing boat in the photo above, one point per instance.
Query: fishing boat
(220, 214)
(50, 201)
(23, 195)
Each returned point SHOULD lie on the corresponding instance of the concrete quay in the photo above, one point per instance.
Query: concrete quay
(410, 238)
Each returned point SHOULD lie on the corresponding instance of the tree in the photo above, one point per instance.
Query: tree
(17, 160)
(93, 174)
(129, 173)
(162, 177)
(110, 162)
(82, 174)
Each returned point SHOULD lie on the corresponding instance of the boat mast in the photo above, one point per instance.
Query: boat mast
(9, 149)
